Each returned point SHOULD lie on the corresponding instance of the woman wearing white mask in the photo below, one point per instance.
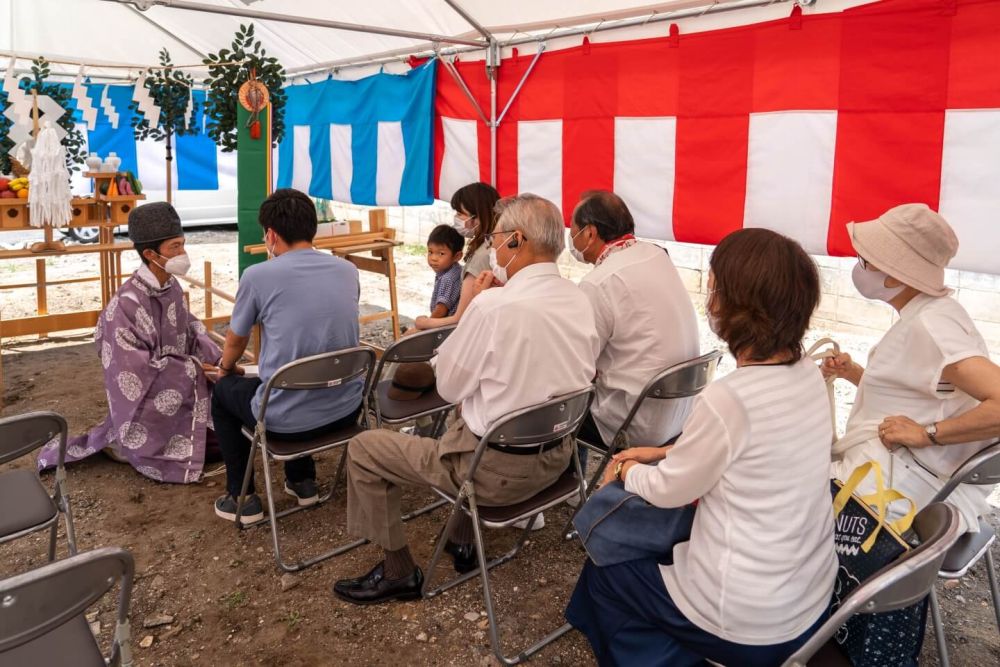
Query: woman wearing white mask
(645, 320)
(930, 396)
(474, 219)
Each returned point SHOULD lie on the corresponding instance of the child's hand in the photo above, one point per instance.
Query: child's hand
(484, 281)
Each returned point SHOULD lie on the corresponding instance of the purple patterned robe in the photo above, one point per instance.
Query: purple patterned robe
(159, 399)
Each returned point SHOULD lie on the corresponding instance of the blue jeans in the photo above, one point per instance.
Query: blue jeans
(630, 619)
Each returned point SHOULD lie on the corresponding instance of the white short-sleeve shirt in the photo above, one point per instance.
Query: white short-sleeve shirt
(903, 377)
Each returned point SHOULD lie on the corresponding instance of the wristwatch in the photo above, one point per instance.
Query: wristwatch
(619, 469)
(931, 432)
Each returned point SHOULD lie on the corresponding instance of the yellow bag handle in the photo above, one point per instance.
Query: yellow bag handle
(882, 498)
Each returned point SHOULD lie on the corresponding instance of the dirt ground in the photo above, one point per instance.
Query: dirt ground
(221, 589)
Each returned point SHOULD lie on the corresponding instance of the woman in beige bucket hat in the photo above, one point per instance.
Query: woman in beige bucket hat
(930, 396)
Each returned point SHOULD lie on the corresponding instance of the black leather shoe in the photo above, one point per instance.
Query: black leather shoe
(463, 555)
(374, 588)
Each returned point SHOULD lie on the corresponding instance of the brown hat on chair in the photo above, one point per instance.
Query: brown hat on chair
(411, 381)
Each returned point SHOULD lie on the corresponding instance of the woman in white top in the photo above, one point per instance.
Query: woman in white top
(475, 216)
(750, 579)
(644, 317)
(930, 396)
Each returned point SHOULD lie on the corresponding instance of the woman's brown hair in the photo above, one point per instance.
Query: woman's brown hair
(766, 289)
(477, 199)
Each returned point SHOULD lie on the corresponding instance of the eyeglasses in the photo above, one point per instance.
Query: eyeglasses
(508, 232)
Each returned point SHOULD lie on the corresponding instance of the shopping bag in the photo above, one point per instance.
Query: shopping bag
(865, 543)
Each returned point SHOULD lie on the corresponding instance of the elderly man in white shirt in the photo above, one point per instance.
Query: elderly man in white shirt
(515, 347)
(645, 320)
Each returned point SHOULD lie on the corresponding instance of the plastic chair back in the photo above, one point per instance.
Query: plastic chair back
(556, 418)
(25, 433)
(37, 602)
(983, 467)
(322, 371)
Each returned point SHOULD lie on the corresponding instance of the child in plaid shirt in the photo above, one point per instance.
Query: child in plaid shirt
(444, 251)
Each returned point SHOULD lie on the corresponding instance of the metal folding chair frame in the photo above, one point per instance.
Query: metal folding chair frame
(682, 380)
(981, 468)
(506, 431)
(22, 434)
(287, 378)
(413, 349)
(77, 582)
(897, 585)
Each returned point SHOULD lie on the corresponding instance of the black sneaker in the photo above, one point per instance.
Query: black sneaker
(252, 511)
(304, 492)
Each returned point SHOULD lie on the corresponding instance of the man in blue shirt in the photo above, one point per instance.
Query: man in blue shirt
(306, 302)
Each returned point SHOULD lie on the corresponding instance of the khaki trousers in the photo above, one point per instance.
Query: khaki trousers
(381, 462)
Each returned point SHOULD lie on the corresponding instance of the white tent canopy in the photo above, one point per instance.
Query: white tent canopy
(116, 32)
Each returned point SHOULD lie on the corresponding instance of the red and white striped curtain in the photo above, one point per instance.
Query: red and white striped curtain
(799, 125)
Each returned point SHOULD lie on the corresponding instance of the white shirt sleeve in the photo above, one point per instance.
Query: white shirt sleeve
(461, 358)
(694, 465)
(951, 336)
(604, 317)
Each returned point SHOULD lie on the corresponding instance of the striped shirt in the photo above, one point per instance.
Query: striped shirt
(447, 288)
(760, 565)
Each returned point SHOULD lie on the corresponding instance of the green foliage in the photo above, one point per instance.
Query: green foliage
(171, 90)
(224, 83)
(75, 143)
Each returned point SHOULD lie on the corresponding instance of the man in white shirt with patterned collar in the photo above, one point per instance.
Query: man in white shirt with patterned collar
(517, 346)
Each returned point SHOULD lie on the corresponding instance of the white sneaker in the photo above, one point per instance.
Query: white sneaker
(539, 524)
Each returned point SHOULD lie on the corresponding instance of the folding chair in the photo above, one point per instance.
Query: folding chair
(321, 371)
(559, 417)
(409, 349)
(27, 506)
(679, 381)
(42, 618)
(899, 584)
(981, 468)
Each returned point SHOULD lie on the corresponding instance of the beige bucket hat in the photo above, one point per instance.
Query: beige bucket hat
(911, 243)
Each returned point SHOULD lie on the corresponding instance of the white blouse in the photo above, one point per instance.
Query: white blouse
(760, 565)
(903, 377)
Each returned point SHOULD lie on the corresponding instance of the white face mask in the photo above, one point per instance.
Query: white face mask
(871, 284)
(713, 320)
(460, 225)
(178, 265)
(500, 272)
(269, 248)
(578, 254)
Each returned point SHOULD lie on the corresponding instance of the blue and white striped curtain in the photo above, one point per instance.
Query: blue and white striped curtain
(366, 142)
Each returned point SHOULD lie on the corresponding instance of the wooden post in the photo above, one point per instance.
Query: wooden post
(393, 302)
(42, 292)
(208, 290)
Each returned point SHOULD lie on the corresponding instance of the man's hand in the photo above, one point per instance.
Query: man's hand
(899, 431)
(235, 370)
(211, 371)
(484, 281)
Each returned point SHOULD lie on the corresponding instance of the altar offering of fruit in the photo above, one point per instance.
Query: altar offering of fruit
(16, 188)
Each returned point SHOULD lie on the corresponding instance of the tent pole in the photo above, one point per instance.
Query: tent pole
(401, 55)
(492, 71)
(450, 67)
(468, 18)
(300, 20)
(520, 84)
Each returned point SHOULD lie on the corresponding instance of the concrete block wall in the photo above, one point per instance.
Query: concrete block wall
(841, 307)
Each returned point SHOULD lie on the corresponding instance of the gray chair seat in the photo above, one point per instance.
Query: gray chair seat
(72, 644)
(563, 486)
(969, 548)
(24, 501)
(393, 410)
(279, 447)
